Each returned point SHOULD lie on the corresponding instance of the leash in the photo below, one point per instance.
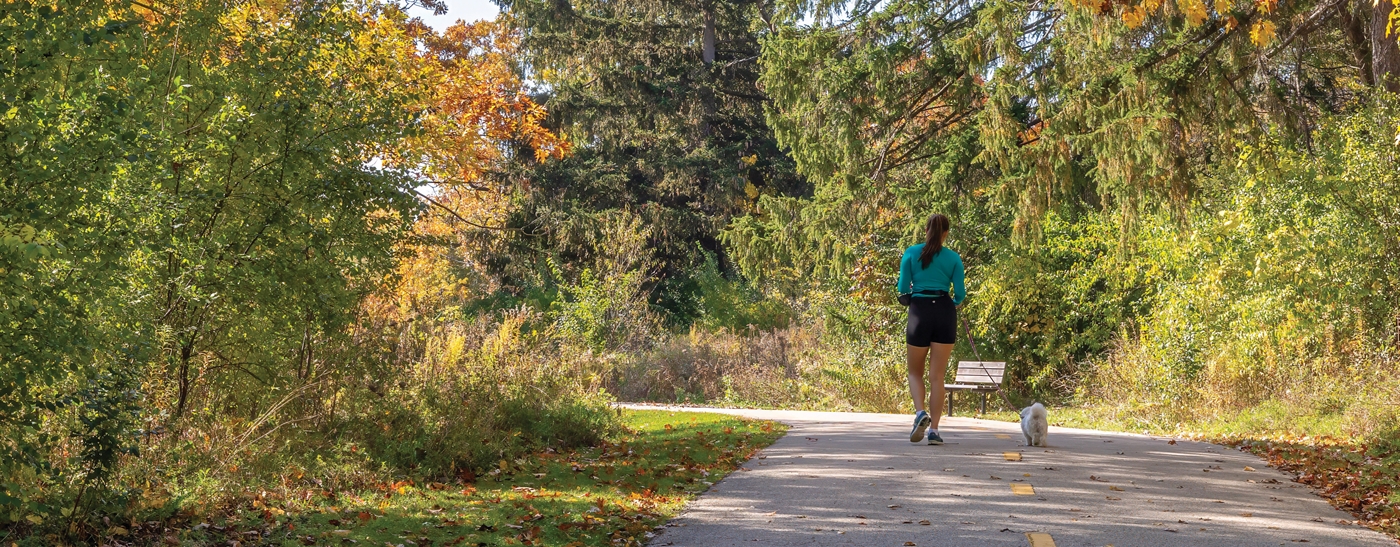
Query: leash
(973, 344)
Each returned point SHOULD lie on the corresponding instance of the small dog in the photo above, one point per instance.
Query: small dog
(1034, 424)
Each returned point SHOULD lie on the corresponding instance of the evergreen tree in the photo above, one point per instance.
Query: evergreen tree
(661, 100)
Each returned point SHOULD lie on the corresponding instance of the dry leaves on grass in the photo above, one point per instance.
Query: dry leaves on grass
(1361, 478)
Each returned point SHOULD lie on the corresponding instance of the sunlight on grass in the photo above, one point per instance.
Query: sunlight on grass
(613, 494)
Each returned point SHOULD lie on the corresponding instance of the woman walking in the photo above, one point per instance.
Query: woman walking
(927, 272)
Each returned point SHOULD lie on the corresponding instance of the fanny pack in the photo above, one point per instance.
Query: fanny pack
(904, 298)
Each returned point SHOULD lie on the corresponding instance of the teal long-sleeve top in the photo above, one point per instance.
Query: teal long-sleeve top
(944, 271)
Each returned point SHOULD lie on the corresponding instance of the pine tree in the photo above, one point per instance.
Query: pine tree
(661, 101)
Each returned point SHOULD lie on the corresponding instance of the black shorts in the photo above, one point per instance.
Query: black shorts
(931, 320)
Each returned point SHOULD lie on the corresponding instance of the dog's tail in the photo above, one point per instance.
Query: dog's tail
(1037, 411)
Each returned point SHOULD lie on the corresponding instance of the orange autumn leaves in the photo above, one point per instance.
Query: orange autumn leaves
(474, 117)
(1195, 12)
(475, 111)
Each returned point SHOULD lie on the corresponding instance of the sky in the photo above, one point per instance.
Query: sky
(467, 10)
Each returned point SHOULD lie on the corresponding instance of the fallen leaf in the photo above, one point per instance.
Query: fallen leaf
(925, 522)
(1115, 489)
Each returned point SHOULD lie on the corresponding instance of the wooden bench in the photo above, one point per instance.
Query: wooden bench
(976, 376)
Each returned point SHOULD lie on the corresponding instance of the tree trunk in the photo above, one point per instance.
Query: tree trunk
(707, 55)
(1385, 52)
(708, 37)
(1354, 20)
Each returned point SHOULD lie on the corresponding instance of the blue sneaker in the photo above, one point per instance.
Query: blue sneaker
(933, 437)
(921, 421)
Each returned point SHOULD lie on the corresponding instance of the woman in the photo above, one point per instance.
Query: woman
(926, 273)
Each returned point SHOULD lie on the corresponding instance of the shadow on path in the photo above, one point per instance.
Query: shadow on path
(854, 479)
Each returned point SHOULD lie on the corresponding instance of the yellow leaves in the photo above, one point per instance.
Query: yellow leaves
(1262, 33)
(1134, 16)
(1195, 10)
(1266, 6)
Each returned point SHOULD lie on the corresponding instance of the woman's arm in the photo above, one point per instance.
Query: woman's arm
(959, 292)
(906, 278)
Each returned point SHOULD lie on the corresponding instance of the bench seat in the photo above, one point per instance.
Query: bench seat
(980, 377)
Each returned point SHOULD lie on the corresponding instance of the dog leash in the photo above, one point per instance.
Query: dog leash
(973, 344)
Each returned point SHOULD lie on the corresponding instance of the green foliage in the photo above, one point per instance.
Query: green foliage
(660, 132)
(1282, 289)
(1050, 308)
(735, 304)
(605, 308)
(188, 222)
(602, 313)
(67, 134)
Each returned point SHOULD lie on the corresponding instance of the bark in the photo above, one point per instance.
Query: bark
(707, 54)
(708, 36)
(1385, 52)
(1353, 22)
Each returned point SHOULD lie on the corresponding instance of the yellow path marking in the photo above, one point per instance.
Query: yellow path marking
(1003, 436)
(1040, 539)
(1011, 456)
(1022, 489)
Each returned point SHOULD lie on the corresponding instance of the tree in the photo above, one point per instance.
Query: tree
(662, 102)
(1114, 106)
(191, 218)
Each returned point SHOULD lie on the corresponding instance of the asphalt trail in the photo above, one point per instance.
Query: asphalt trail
(855, 479)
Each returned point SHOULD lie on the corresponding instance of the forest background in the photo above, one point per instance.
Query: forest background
(277, 241)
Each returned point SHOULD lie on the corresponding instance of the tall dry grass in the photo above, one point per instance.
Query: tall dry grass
(800, 366)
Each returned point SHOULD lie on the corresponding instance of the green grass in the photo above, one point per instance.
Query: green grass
(612, 494)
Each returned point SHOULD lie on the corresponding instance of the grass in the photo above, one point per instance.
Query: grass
(613, 494)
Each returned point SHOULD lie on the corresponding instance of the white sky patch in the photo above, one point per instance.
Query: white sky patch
(465, 10)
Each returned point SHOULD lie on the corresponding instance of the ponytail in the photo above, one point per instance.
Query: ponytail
(934, 229)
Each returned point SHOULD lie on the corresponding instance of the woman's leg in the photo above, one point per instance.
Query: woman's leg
(915, 363)
(939, 365)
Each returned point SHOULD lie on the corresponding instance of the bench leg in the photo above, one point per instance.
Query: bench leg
(983, 409)
(950, 403)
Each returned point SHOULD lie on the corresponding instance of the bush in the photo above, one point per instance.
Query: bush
(1278, 292)
(486, 390)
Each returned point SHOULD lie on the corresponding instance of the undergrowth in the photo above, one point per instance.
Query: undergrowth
(614, 493)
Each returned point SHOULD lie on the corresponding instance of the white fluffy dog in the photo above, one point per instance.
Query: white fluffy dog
(1034, 424)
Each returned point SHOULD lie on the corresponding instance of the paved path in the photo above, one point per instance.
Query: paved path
(855, 479)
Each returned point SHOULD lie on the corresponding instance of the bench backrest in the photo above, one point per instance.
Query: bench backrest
(980, 372)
